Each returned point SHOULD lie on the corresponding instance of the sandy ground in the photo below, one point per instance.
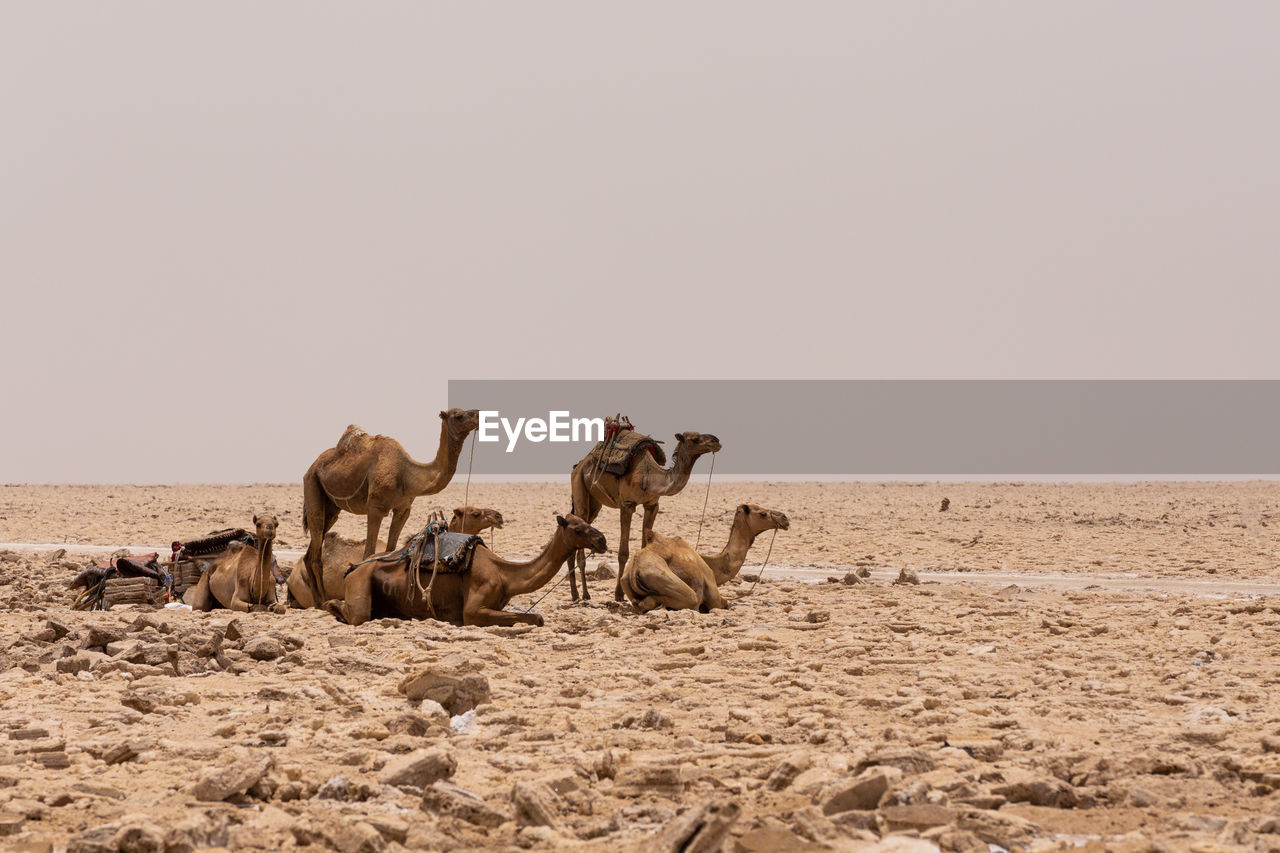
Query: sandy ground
(808, 716)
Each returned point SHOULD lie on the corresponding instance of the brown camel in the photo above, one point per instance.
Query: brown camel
(473, 597)
(667, 572)
(372, 475)
(241, 578)
(341, 553)
(642, 485)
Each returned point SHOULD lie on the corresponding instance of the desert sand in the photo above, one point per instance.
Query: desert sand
(817, 713)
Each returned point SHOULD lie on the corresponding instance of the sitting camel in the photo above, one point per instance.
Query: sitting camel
(341, 553)
(667, 572)
(475, 596)
(241, 578)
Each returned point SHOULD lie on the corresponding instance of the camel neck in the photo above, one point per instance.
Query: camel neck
(678, 474)
(729, 560)
(520, 578)
(262, 580)
(431, 477)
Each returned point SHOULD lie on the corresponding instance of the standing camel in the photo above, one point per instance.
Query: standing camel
(667, 572)
(644, 482)
(475, 596)
(340, 553)
(241, 578)
(373, 475)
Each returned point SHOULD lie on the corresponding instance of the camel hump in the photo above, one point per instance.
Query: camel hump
(350, 436)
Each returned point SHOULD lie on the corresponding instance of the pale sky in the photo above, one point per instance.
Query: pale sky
(229, 229)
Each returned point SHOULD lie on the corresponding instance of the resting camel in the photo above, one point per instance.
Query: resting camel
(372, 475)
(473, 597)
(642, 485)
(340, 553)
(667, 572)
(241, 578)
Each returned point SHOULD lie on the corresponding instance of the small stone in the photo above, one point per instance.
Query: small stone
(786, 772)
(532, 806)
(139, 838)
(1271, 743)
(224, 780)
(774, 839)
(907, 576)
(851, 579)
(456, 693)
(100, 634)
(639, 780)
(264, 648)
(863, 793)
(445, 799)
(1142, 798)
(335, 788)
(358, 837)
(11, 823)
(418, 768)
(918, 817)
(100, 839)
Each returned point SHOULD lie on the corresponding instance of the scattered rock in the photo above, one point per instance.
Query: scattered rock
(457, 694)
(862, 793)
(907, 576)
(441, 798)
(218, 782)
(263, 648)
(418, 768)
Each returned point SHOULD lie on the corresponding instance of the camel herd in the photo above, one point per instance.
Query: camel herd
(374, 476)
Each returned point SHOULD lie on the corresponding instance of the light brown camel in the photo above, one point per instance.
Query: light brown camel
(473, 597)
(340, 553)
(667, 572)
(642, 485)
(241, 578)
(372, 475)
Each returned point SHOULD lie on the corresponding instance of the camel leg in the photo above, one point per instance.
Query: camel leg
(579, 505)
(356, 607)
(646, 528)
(371, 535)
(398, 519)
(625, 509)
(319, 514)
(200, 597)
(483, 616)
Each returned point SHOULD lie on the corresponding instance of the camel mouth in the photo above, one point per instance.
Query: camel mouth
(599, 547)
(782, 521)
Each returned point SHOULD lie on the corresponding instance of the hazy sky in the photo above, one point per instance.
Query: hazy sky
(227, 230)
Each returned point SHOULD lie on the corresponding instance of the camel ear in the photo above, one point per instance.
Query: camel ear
(679, 436)
(560, 519)
(442, 416)
(457, 512)
(255, 518)
(744, 508)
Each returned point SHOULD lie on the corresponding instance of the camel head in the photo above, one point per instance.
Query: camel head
(758, 519)
(460, 422)
(697, 443)
(582, 535)
(265, 527)
(473, 519)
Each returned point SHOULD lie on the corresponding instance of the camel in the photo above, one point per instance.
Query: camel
(373, 476)
(642, 485)
(476, 596)
(340, 553)
(668, 572)
(241, 578)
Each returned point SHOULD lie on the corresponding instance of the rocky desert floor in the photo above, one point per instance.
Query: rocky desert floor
(817, 713)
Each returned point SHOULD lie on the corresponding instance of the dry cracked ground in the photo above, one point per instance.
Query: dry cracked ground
(825, 716)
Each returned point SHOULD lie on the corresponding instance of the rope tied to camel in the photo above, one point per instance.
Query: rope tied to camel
(765, 563)
(704, 501)
(466, 493)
